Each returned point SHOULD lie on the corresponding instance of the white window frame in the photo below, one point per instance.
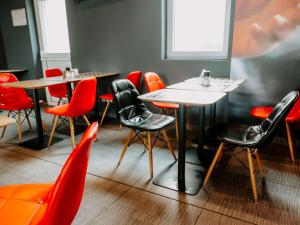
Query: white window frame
(191, 55)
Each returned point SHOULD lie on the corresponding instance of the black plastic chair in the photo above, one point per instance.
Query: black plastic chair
(132, 113)
(252, 138)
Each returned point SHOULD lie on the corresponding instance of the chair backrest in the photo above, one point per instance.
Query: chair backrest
(266, 131)
(153, 81)
(83, 98)
(58, 90)
(126, 101)
(9, 95)
(66, 194)
(135, 78)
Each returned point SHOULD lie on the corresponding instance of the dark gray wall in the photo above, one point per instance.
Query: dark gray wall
(125, 35)
(2, 53)
(20, 43)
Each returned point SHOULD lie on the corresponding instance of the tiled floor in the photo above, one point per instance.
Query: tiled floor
(126, 195)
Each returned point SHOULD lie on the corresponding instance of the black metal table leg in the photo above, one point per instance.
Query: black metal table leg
(182, 176)
(96, 107)
(41, 141)
(212, 117)
(69, 91)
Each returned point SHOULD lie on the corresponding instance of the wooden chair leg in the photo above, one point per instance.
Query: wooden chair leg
(19, 126)
(88, 123)
(252, 174)
(290, 141)
(104, 113)
(212, 166)
(177, 125)
(259, 164)
(27, 118)
(72, 132)
(4, 128)
(150, 154)
(126, 146)
(53, 130)
(169, 144)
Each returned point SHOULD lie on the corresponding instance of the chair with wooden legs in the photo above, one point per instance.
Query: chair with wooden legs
(293, 117)
(144, 125)
(16, 101)
(82, 102)
(154, 83)
(134, 77)
(52, 203)
(251, 139)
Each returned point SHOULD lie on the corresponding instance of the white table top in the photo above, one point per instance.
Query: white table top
(186, 97)
(217, 85)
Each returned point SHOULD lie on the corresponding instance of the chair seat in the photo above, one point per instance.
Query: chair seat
(236, 134)
(148, 121)
(107, 97)
(19, 106)
(166, 105)
(60, 110)
(23, 204)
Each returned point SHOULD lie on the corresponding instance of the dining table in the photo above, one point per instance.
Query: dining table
(186, 176)
(41, 141)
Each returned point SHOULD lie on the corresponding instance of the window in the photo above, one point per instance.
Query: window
(197, 29)
(54, 26)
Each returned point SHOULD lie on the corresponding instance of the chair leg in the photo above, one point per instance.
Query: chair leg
(4, 128)
(290, 141)
(145, 141)
(53, 130)
(27, 118)
(252, 174)
(72, 132)
(150, 153)
(125, 146)
(88, 123)
(104, 113)
(259, 164)
(19, 126)
(176, 124)
(169, 144)
(212, 166)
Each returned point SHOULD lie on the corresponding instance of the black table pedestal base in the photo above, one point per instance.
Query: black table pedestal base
(37, 144)
(194, 178)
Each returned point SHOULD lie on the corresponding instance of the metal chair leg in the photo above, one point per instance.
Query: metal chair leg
(150, 154)
(19, 126)
(27, 118)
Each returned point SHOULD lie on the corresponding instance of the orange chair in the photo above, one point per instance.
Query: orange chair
(154, 83)
(60, 90)
(134, 77)
(82, 102)
(16, 101)
(263, 112)
(50, 204)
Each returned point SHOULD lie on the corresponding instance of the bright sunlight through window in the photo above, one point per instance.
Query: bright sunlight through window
(54, 25)
(197, 29)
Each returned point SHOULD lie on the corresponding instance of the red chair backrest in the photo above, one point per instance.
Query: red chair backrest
(66, 194)
(59, 90)
(135, 78)
(84, 97)
(12, 96)
(153, 82)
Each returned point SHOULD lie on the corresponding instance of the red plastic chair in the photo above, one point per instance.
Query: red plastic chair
(60, 90)
(134, 77)
(16, 101)
(263, 112)
(50, 204)
(154, 83)
(82, 102)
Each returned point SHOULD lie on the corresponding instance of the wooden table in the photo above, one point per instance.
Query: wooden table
(14, 71)
(40, 142)
(188, 177)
